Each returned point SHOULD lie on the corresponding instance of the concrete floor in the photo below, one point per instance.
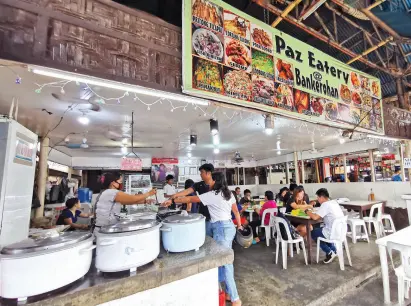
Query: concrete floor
(371, 294)
(261, 282)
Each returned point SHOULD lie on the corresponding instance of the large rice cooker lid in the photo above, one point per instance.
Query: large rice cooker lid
(128, 226)
(182, 219)
(31, 245)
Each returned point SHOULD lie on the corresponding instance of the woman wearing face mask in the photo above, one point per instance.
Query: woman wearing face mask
(109, 202)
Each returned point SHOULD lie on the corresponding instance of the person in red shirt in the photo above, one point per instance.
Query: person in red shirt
(241, 209)
(269, 203)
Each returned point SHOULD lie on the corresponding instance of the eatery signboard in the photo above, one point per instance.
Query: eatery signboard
(230, 56)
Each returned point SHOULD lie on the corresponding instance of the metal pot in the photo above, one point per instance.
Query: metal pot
(142, 215)
(127, 245)
(182, 233)
(29, 267)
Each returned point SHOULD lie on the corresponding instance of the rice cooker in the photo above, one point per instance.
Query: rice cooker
(146, 214)
(127, 245)
(38, 265)
(181, 233)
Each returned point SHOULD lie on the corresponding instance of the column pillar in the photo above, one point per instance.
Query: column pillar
(401, 149)
(70, 170)
(297, 171)
(372, 170)
(302, 170)
(287, 173)
(345, 168)
(407, 153)
(42, 175)
(317, 172)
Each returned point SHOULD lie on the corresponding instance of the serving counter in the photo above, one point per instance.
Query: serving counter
(172, 279)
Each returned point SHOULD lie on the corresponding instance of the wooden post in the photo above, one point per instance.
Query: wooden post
(317, 171)
(297, 172)
(287, 174)
(372, 170)
(345, 168)
(302, 170)
(41, 183)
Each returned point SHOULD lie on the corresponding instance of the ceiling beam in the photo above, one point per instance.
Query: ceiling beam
(309, 30)
(376, 3)
(377, 52)
(321, 21)
(288, 9)
(373, 48)
(382, 25)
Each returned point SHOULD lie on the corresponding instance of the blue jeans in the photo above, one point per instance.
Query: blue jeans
(325, 246)
(209, 229)
(223, 234)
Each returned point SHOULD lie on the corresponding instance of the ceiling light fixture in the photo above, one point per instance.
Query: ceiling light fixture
(216, 150)
(124, 150)
(278, 152)
(342, 140)
(78, 78)
(216, 139)
(193, 140)
(269, 124)
(83, 119)
(189, 154)
(124, 141)
(213, 126)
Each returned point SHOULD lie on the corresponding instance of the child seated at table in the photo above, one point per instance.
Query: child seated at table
(269, 203)
(241, 209)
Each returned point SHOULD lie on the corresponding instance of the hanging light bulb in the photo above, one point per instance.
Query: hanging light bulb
(342, 140)
(216, 150)
(193, 140)
(189, 154)
(124, 141)
(83, 120)
(213, 126)
(124, 150)
(216, 139)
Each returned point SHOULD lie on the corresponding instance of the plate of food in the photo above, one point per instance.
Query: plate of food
(284, 96)
(366, 101)
(355, 80)
(237, 54)
(263, 62)
(344, 112)
(237, 83)
(284, 72)
(355, 115)
(317, 105)
(365, 84)
(375, 89)
(236, 25)
(301, 101)
(365, 119)
(356, 98)
(331, 111)
(207, 76)
(207, 44)
(263, 90)
(261, 39)
(376, 105)
(345, 93)
(209, 12)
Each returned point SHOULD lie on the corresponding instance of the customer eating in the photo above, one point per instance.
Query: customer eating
(110, 199)
(220, 202)
(206, 171)
(269, 203)
(329, 211)
(70, 214)
(238, 193)
(297, 202)
(247, 197)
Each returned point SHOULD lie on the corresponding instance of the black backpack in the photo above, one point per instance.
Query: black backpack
(293, 231)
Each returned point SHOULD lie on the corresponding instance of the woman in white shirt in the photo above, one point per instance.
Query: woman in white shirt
(109, 201)
(220, 202)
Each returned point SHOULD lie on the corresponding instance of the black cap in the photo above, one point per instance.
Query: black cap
(207, 168)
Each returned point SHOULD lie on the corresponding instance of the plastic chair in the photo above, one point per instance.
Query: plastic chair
(339, 238)
(403, 272)
(273, 212)
(288, 242)
(376, 221)
(391, 227)
(354, 224)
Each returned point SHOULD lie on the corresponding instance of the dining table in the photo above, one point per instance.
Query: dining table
(401, 237)
(308, 222)
(362, 206)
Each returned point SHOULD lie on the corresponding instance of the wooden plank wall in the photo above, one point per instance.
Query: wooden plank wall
(95, 37)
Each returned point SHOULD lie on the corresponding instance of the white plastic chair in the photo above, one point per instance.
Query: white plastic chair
(288, 242)
(376, 221)
(339, 238)
(391, 227)
(403, 272)
(356, 228)
(283, 210)
(273, 212)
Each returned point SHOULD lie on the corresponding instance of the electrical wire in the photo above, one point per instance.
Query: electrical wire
(71, 107)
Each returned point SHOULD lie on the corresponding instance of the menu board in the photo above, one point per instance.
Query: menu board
(231, 57)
